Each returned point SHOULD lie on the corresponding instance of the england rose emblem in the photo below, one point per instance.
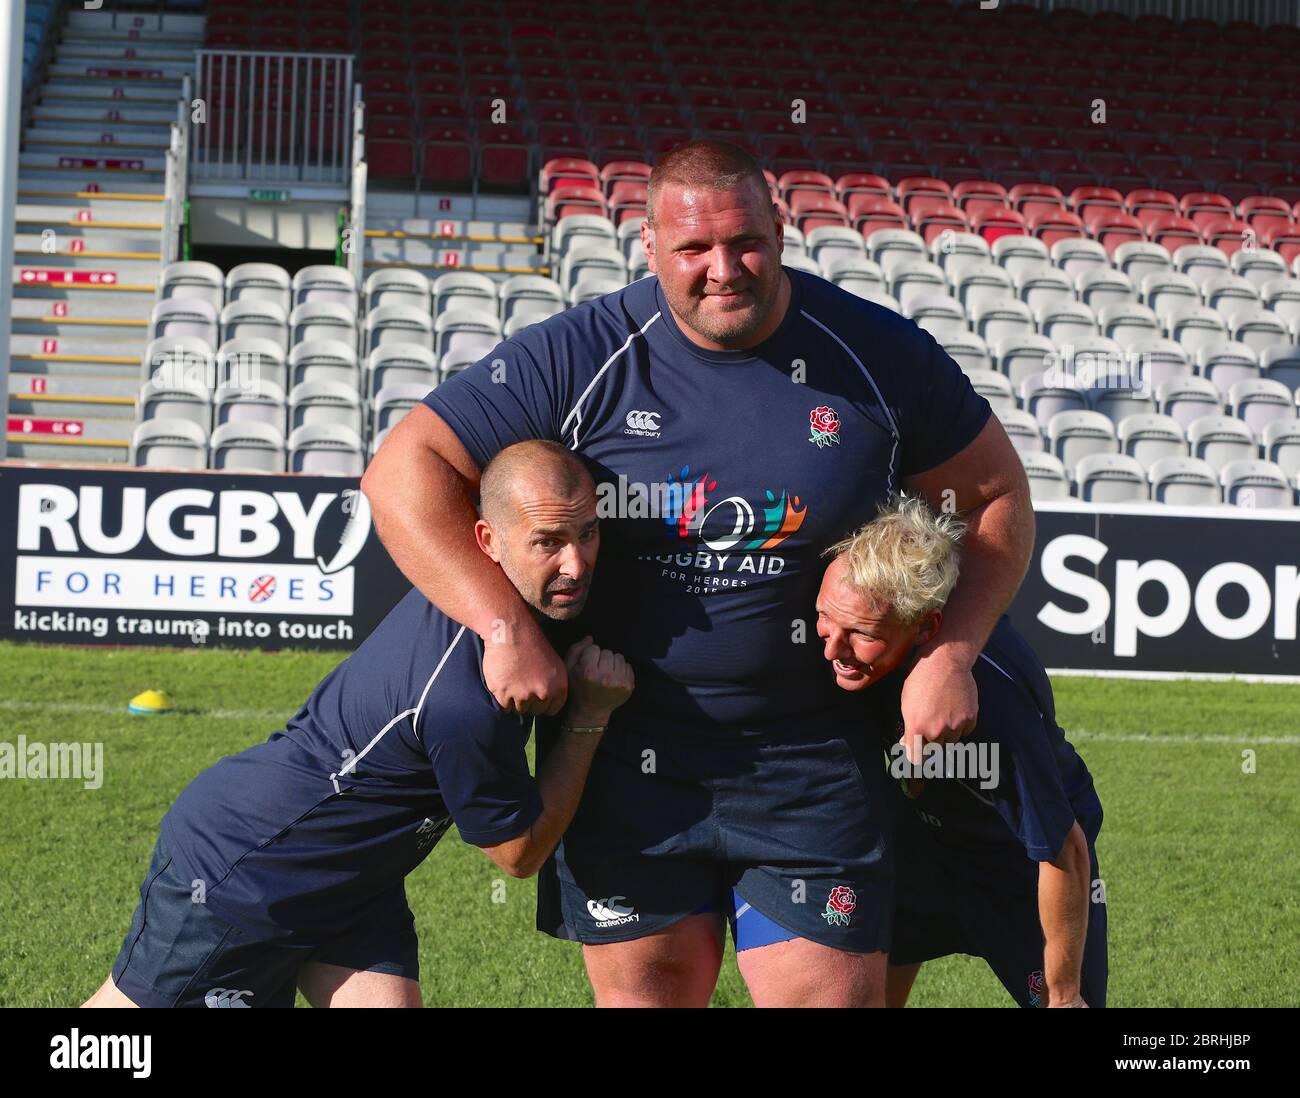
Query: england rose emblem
(825, 424)
(839, 905)
(1035, 988)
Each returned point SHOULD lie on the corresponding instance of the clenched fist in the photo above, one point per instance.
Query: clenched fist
(599, 682)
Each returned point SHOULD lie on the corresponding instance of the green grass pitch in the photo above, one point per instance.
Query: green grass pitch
(1198, 852)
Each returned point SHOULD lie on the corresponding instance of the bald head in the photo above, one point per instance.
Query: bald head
(527, 470)
(537, 503)
(710, 165)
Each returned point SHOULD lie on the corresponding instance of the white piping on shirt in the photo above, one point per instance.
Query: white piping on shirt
(576, 410)
(893, 426)
(413, 713)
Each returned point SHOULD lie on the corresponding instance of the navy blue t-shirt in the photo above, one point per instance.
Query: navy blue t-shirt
(398, 742)
(729, 472)
(1042, 787)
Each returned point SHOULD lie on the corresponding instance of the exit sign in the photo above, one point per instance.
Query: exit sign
(269, 196)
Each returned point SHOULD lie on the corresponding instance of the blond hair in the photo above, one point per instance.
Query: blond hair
(907, 558)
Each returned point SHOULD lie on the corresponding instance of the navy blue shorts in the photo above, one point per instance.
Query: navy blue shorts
(178, 953)
(983, 902)
(669, 826)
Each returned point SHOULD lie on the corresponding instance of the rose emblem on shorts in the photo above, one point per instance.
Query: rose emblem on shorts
(825, 424)
(839, 905)
(1035, 988)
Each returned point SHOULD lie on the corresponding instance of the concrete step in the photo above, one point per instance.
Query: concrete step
(63, 191)
(72, 450)
(73, 387)
(121, 351)
(459, 231)
(158, 75)
(74, 368)
(106, 409)
(87, 251)
(76, 89)
(101, 311)
(115, 215)
(46, 283)
(75, 140)
(107, 333)
(64, 114)
(138, 52)
(425, 253)
(95, 165)
(104, 21)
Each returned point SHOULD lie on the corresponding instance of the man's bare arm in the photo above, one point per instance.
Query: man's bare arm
(986, 482)
(1063, 887)
(421, 487)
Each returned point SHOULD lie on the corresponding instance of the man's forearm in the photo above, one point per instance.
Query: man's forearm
(996, 551)
(424, 514)
(1063, 887)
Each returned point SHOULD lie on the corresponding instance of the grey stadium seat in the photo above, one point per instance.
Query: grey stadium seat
(938, 314)
(325, 360)
(999, 318)
(247, 445)
(1039, 286)
(189, 400)
(1047, 477)
(325, 402)
(1187, 399)
(1022, 356)
(326, 449)
(172, 361)
(1282, 296)
(1225, 364)
(255, 319)
(1230, 294)
(1073, 435)
(1259, 402)
(1218, 440)
(1127, 323)
(1139, 258)
(1066, 321)
(1259, 328)
(967, 350)
(459, 328)
(1111, 478)
(975, 286)
(193, 279)
(1074, 255)
(993, 387)
(830, 242)
(1256, 484)
(582, 229)
(588, 289)
(890, 247)
(528, 293)
(1099, 287)
(185, 318)
(261, 402)
(1161, 359)
(321, 283)
(1016, 253)
(592, 260)
(1184, 482)
(913, 278)
(323, 320)
(1167, 293)
(1118, 405)
(1149, 438)
(1258, 265)
(466, 290)
(1282, 445)
(1282, 364)
(1042, 399)
(243, 361)
(1197, 326)
(958, 252)
(264, 282)
(394, 286)
(387, 324)
(400, 363)
(860, 277)
(169, 444)
(1200, 262)
(393, 402)
(1023, 430)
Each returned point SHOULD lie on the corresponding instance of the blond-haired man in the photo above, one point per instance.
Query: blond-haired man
(995, 836)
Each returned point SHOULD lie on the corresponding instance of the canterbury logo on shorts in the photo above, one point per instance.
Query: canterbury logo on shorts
(611, 912)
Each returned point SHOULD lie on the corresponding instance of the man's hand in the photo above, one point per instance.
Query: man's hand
(1075, 1001)
(599, 682)
(940, 703)
(522, 670)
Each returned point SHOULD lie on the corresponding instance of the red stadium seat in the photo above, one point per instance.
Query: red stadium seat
(811, 210)
(620, 171)
(870, 212)
(913, 189)
(1111, 228)
(567, 171)
(1085, 198)
(996, 223)
(1147, 203)
(504, 159)
(1204, 205)
(1028, 198)
(1285, 240)
(1053, 225)
(1228, 234)
(390, 159)
(627, 198)
(861, 183)
(446, 158)
(1172, 231)
(1263, 212)
(941, 219)
(572, 198)
(976, 196)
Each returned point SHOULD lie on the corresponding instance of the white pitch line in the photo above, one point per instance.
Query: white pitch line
(1147, 737)
(280, 715)
(120, 710)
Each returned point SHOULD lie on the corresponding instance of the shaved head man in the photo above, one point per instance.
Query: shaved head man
(741, 416)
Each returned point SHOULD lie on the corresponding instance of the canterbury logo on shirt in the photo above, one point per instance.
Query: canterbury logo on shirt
(643, 423)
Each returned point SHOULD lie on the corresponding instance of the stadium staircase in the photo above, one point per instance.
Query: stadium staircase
(89, 231)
